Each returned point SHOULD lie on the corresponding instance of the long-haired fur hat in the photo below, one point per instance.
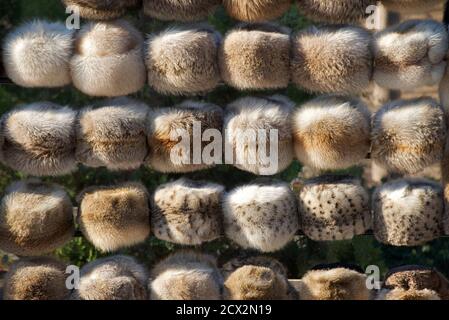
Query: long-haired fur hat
(37, 54)
(113, 135)
(101, 9)
(35, 218)
(183, 61)
(256, 10)
(179, 10)
(39, 139)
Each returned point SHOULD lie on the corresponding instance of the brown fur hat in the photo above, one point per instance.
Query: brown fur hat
(35, 218)
(179, 10)
(256, 10)
(39, 278)
(108, 59)
(183, 61)
(332, 132)
(115, 217)
(332, 59)
(412, 6)
(412, 294)
(256, 57)
(174, 129)
(39, 139)
(259, 261)
(101, 9)
(113, 135)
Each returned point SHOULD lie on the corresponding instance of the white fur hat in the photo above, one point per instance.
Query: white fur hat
(256, 10)
(37, 54)
(331, 132)
(179, 10)
(108, 59)
(101, 9)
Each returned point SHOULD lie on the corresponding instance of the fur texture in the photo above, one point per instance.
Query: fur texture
(113, 135)
(331, 132)
(408, 135)
(259, 261)
(39, 139)
(412, 6)
(35, 218)
(183, 61)
(248, 115)
(115, 217)
(261, 216)
(408, 212)
(37, 54)
(256, 10)
(101, 9)
(108, 59)
(187, 212)
(410, 55)
(179, 10)
(412, 294)
(256, 57)
(332, 59)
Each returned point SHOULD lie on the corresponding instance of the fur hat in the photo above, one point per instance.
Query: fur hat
(410, 55)
(179, 10)
(108, 59)
(408, 135)
(37, 54)
(113, 135)
(334, 208)
(112, 278)
(101, 9)
(183, 61)
(186, 275)
(170, 129)
(408, 212)
(35, 218)
(187, 212)
(411, 294)
(332, 132)
(37, 278)
(332, 59)
(261, 216)
(256, 57)
(39, 139)
(244, 118)
(256, 10)
(412, 6)
(259, 261)
(115, 217)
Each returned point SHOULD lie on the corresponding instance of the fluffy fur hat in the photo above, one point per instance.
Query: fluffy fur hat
(171, 129)
(411, 5)
(410, 55)
(108, 59)
(37, 54)
(408, 212)
(186, 275)
(408, 135)
(332, 59)
(113, 135)
(243, 120)
(112, 278)
(187, 212)
(115, 217)
(261, 216)
(256, 10)
(411, 294)
(39, 139)
(35, 218)
(38, 278)
(101, 9)
(332, 132)
(180, 10)
(334, 208)
(260, 261)
(256, 57)
(183, 61)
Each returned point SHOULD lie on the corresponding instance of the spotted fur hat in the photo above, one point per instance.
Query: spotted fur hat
(179, 10)
(256, 10)
(101, 9)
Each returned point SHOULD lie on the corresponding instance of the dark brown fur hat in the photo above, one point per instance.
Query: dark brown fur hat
(101, 9)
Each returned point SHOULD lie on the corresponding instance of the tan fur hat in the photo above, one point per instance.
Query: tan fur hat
(256, 57)
(35, 218)
(108, 59)
(175, 130)
(37, 278)
(408, 212)
(408, 135)
(39, 139)
(115, 217)
(243, 122)
(331, 132)
(332, 59)
(187, 212)
(113, 135)
(101, 9)
(410, 55)
(183, 61)
(186, 275)
(37, 54)
(179, 10)
(259, 261)
(256, 10)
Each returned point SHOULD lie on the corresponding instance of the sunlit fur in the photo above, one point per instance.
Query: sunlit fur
(256, 10)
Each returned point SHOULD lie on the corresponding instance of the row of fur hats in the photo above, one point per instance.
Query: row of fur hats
(111, 59)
